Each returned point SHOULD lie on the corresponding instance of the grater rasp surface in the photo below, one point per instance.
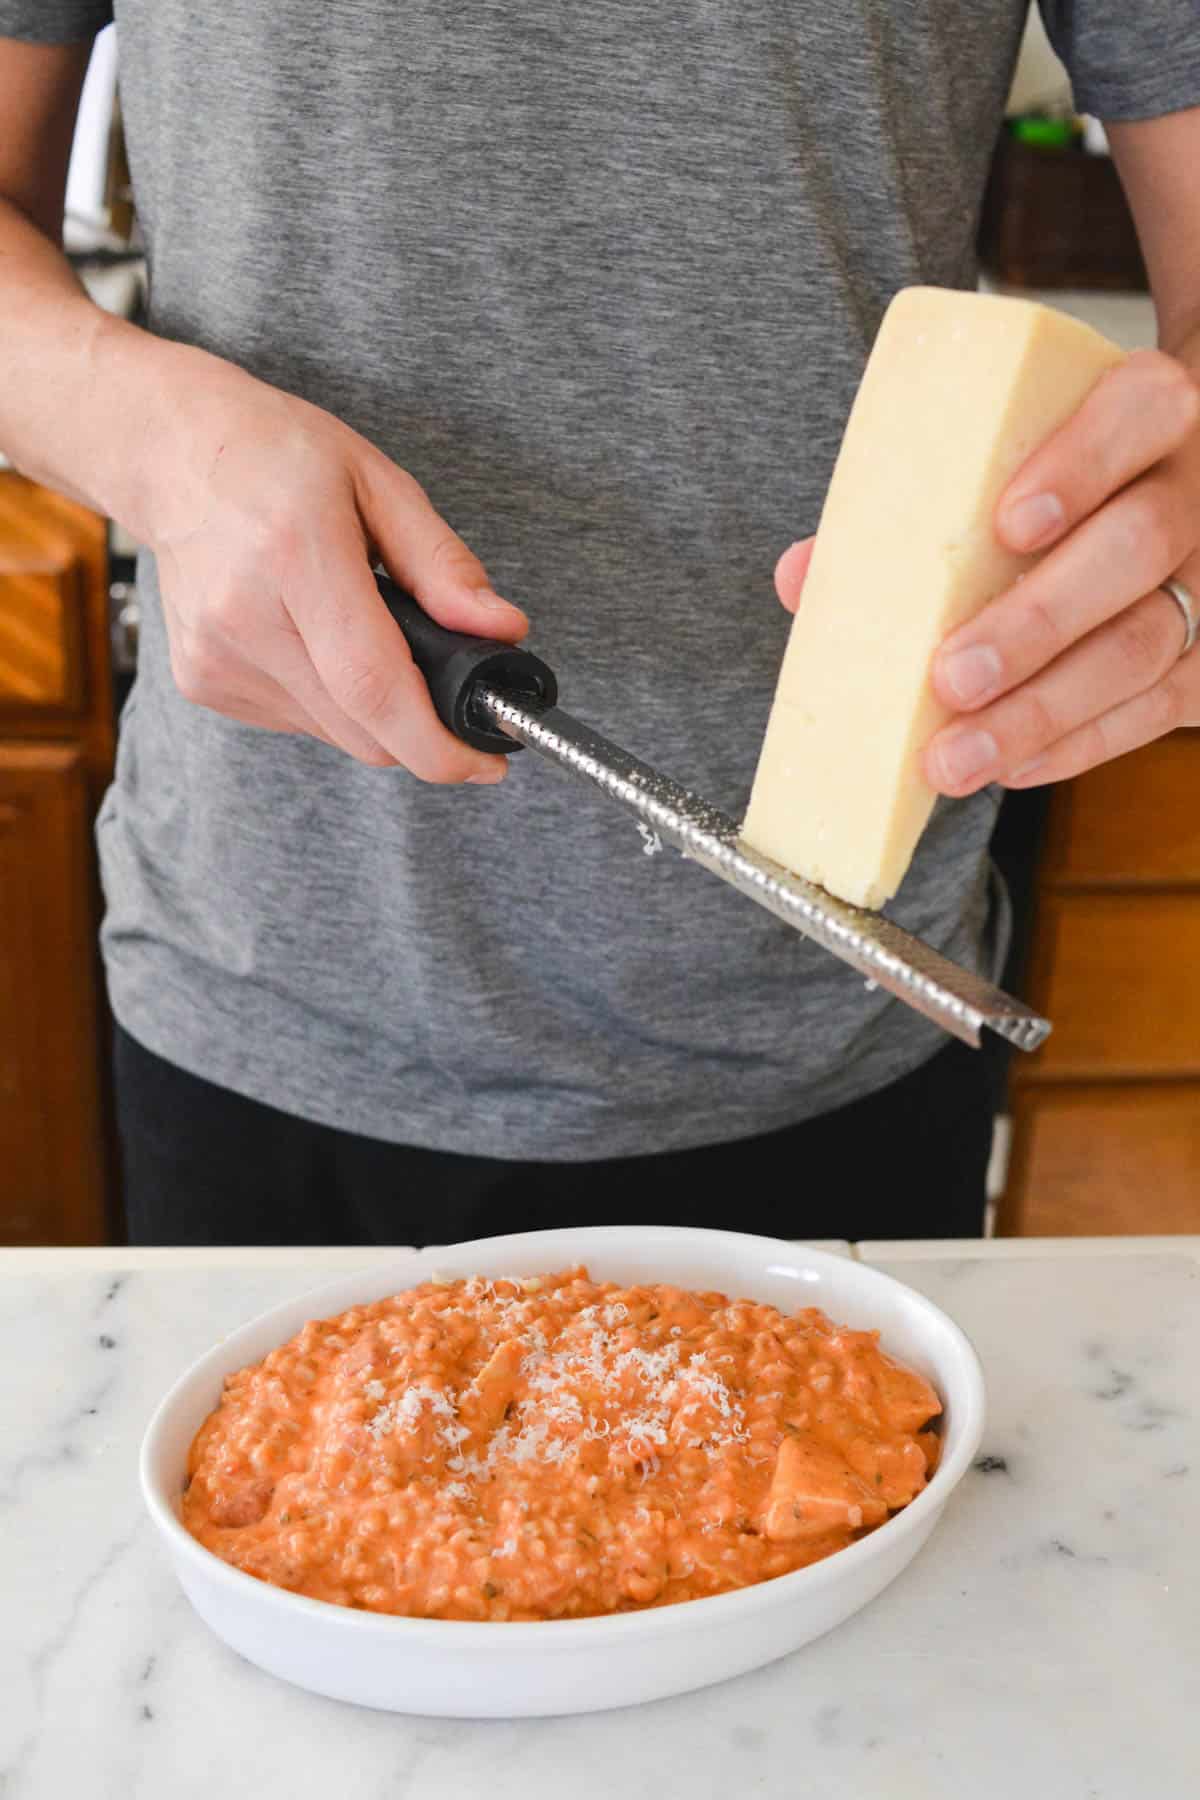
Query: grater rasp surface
(954, 998)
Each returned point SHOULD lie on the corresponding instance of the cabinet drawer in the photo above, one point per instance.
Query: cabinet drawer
(41, 639)
(1119, 976)
(47, 547)
(1133, 822)
(1091, 1160)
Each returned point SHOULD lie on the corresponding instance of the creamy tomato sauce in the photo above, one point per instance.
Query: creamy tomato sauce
(554, 1448)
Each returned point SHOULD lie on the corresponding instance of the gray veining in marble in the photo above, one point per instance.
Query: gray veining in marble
(1046, 1642)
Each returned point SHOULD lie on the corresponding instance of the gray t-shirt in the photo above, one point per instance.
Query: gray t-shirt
(603, 277)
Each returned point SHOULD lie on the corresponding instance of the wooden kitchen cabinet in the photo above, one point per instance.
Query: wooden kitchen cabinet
(1094, 1158)
(1106, 1116)
(1133, 824)
(1121, 981)
(52, 1146)
(56, 751)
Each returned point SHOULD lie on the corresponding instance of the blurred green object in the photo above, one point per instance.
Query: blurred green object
(1054, 216)
(1044, 133)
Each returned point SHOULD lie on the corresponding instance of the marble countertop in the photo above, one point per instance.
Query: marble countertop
(1046, 1643)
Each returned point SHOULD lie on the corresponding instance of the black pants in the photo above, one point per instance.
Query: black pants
(205, 1166)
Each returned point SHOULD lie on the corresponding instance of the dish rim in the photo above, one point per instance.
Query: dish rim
(470, 1635)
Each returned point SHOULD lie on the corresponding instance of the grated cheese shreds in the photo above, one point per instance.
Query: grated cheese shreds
(567, 1390)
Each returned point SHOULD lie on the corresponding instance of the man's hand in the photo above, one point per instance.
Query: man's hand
(1079, 661)
(265, 514)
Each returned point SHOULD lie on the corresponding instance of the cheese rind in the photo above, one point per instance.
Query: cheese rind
(959, 390)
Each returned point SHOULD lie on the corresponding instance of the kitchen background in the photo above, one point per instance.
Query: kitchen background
(1098, 1133)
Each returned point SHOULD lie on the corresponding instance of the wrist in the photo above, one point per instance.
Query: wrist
(1184, 346)
(133, 392)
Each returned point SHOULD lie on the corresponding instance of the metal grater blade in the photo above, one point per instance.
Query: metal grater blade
(954, 998)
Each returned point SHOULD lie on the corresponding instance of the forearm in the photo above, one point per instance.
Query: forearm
(83, 395)
(1185, 349)
(1159, 164)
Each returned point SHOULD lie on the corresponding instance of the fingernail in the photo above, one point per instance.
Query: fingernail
(1028, 522)
(969, 674)
(965, 754)
(489, 778)
(1027, 768)
(492, 602)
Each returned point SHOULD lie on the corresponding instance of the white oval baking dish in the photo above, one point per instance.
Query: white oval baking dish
(500, 1670)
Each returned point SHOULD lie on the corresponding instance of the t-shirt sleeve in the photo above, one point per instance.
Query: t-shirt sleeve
(54, 21)
(1127, 59)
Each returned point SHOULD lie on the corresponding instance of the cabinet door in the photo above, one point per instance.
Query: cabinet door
(52, 1150)
(1099, 1157)
(1119, 974)
(1131, 823)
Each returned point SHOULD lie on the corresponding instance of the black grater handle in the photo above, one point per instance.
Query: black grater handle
(453, 664)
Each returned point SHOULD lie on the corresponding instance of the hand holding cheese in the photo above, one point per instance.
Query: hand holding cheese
(1082, 660)
(959, 390)
(1078, 659)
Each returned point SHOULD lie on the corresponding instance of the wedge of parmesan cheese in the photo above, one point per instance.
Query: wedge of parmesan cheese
(959, 389)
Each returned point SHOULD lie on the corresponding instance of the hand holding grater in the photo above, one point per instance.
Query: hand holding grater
(497, 697)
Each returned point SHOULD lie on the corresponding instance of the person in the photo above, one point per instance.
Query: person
(564, 304)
